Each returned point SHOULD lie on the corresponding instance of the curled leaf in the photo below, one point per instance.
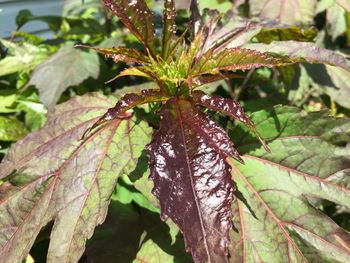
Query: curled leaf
(228, 107)
(128, 102)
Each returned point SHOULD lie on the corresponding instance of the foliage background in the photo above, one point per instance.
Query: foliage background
(28, 90)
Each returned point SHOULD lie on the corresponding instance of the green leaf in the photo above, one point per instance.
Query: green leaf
(7, 98)
(21, 58)
(235, 32)
(276, 210)
(53, 175)
(267, 35)
(303, 52)
(11, 129)
(293, 12)
(335, 17)
(136, 235)
(25, 16)
(67, 67)
(137, 17)
(333, 81)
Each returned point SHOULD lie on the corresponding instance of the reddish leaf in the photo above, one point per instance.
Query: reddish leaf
(192, 179)
(53, 176)
(206, 79)
(233, 59)
(128, 55)
(228, 107)
(137, 17)
(169, 27)
(128, 102)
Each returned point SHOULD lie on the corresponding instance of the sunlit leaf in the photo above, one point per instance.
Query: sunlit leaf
(275, 214)
(127, 55)
(53, 175)
(228, 107)
(169, 27)
(11, 129)
(335, 16)
(21, 58)
(233, 59)
(303, 52)
(67, 67)
(137, 17)
(292, 12)
(187, 163)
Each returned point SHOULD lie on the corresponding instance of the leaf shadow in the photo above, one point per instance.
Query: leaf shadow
(140, 168)
(240, 196)
(126, 229)
(246, 142)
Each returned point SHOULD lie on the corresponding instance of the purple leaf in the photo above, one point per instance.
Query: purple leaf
(228, 107)
(192, 179)
(53, 176)
(137, 17)
(169, 27)
(206, 79)
(127, 55)
(128, 102)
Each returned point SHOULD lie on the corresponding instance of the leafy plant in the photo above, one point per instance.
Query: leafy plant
(261, 206)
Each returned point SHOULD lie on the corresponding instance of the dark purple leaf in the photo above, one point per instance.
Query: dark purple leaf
(128, 55)
(137, 17)
(192, 179)
(169, 27)
(128, 102)
(228, 107)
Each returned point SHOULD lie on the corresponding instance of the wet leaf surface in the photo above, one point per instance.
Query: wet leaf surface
(192, 182)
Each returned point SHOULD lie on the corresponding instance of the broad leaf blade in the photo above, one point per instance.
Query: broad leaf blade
(67, 67)
(137, 17)
(75, 186)
(169, 27)
(233, 59)
(303, 52)
(187, 162)
(127, 55)
(279, 191)
(292, 12)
